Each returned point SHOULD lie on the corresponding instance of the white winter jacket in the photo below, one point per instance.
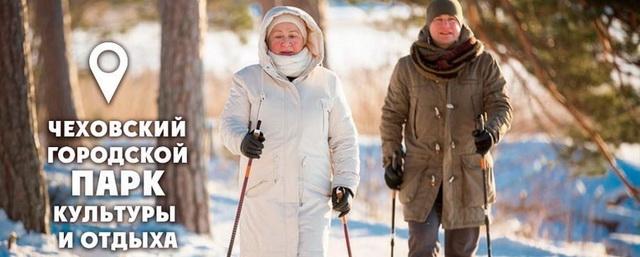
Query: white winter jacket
(311, 140)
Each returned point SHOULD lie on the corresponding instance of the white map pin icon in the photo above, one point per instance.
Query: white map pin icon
(108, 81)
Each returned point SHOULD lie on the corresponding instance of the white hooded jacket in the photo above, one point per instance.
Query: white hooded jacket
(310, 148)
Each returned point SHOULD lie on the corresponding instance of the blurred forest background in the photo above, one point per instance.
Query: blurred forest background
(572, 65)
(573, 69)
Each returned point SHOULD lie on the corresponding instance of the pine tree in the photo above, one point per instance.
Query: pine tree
(181, 95)
(58, 79)
(23, 191)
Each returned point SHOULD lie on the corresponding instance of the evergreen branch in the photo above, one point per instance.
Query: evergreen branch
(542, 74)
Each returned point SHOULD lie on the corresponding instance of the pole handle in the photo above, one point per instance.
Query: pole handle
(256, 132)
(480, 120)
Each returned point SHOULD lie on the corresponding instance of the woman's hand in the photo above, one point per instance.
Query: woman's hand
(252, 145)
(341, 200)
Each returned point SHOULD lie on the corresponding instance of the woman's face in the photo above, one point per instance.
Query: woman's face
(285, 39)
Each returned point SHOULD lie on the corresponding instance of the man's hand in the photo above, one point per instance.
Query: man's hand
(394, 169)
(484, 141)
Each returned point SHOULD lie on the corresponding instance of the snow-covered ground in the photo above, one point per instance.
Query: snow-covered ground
(527, 172)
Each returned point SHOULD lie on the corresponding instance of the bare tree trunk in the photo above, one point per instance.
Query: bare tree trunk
(181, 78)
(316, 8)
(23, 193)
(57, 80)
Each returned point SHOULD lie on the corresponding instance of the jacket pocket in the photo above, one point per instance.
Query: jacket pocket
(414, 170)
(424, 116)
(413, 116)
(473, 192)
(326, 105)
(477, 102)
(261, 178)
(316, 175)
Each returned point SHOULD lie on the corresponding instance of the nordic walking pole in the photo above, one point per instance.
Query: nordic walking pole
(247, 171)
(483, 166)
(345, 227)
(393, 219)
(346, 233)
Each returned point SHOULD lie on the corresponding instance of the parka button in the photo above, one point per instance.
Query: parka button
(450, 106)
(453, 145)
(437, 112)
(451, 179)
(437, 147)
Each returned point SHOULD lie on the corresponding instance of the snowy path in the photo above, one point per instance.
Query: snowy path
(369, 238)
(373, 239)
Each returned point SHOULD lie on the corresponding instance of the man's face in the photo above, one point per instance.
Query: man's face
(445, 30)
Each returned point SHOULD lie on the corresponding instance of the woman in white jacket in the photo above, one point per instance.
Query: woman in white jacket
(308, 149)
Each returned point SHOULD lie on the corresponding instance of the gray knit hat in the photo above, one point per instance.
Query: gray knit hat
(440, 7)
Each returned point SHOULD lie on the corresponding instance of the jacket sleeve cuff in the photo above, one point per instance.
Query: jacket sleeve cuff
(351, 184)
(389, 148)
(495, 135)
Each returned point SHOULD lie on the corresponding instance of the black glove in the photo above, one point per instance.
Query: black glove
(252, 145)
(484, 140)
(394, 170)
(341, 202)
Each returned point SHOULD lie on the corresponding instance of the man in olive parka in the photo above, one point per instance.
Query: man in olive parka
(434, 97)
